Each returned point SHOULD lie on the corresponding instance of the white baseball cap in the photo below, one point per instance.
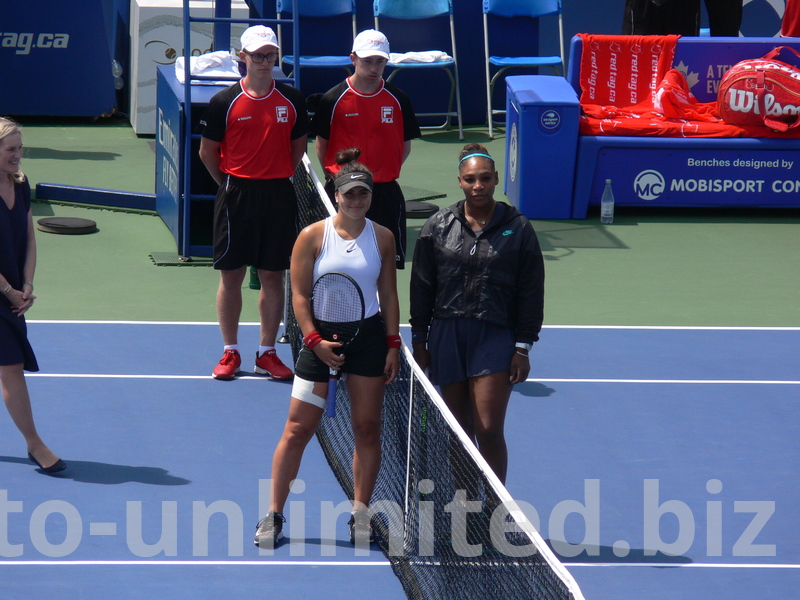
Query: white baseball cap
(257, 37)
(371, 42)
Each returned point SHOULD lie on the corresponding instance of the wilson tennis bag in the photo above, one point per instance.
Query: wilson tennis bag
(761, 92)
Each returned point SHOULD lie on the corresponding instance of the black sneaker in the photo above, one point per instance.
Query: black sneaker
(269, 530)
(360, 528)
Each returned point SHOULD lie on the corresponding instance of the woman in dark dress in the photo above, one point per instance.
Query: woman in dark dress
(17, 265)
(477, 303)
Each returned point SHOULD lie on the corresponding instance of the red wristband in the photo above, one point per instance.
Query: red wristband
(312, 339)
(394, 341)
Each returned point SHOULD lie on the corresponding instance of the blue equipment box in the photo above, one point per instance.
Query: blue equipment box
(542, 118)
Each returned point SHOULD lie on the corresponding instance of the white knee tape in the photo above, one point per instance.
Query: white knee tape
(303, 390)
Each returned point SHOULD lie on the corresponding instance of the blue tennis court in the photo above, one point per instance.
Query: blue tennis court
(659, 462)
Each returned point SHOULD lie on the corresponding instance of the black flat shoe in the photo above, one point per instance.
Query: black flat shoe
(56, 467)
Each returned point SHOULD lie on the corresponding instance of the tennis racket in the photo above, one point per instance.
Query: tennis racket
(337, 307)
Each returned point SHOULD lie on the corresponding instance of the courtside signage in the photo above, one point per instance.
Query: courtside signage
(513, 152)
(22, 43)
(70, 42)
(169, 159)
(706, 177)
(705, 61)
(550, 120)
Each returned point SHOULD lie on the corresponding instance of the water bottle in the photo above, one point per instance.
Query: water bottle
(607, 204)
(116, 72)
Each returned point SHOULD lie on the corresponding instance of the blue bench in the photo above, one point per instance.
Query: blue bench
(655, 171)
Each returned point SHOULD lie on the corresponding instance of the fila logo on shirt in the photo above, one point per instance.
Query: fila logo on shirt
(387, 114)
(282, 114)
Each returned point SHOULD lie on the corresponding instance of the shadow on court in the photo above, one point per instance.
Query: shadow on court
(608, 555)
(533, 389)
(84, 471)
(345, 544)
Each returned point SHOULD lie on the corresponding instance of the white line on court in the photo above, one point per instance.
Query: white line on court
(671, 327)
(687, 565)
(679, 381)
(339, 563)
(261, 378)
(200, 563)
(84, 322)
(120, 376)
(253, 324)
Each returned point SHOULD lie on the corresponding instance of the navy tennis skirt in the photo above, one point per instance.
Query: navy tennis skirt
(464, 348)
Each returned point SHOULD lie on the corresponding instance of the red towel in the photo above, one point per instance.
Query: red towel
(629, 88)
(624, 70)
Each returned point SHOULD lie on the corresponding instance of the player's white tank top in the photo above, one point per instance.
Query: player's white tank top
(360, 258)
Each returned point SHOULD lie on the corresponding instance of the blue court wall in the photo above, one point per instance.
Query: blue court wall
(77, 81)
(55, 56)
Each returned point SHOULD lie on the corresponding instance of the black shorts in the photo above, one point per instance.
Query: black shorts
(366, 355)
(255, 223)
(388, 208)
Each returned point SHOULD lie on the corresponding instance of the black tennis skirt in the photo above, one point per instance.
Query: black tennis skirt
(366, 355)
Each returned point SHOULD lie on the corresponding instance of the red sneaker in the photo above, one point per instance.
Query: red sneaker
(269, 364)
(228, 366)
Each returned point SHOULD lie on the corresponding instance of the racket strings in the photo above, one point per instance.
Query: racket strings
(336, 300)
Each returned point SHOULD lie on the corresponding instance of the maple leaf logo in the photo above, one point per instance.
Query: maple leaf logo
(691, 78)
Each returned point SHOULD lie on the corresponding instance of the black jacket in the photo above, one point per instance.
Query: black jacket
(494, 275)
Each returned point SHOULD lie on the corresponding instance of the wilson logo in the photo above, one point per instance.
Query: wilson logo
(744, 101)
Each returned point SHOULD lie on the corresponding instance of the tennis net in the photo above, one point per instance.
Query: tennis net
(445, 522)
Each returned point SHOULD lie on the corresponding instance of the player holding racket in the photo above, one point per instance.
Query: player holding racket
(352, 244)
